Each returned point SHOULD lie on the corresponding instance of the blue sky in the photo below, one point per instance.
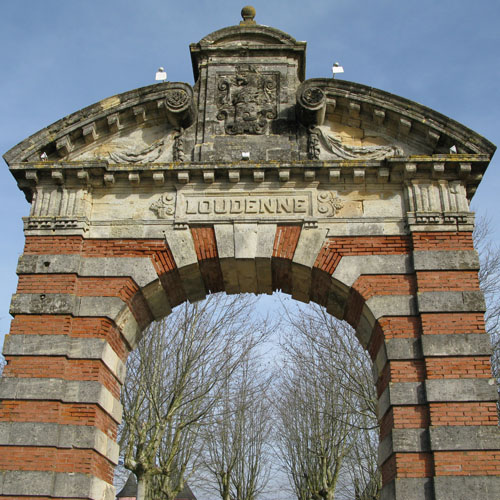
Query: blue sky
(58, 56)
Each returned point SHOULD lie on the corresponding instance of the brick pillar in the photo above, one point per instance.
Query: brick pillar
(460, 392)
(78, 309)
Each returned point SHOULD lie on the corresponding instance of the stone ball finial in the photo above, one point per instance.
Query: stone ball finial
(248, 15)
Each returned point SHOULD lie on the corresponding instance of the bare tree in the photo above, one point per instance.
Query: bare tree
(175, 377)
(326, 411)
(489, 280)
(237, 442)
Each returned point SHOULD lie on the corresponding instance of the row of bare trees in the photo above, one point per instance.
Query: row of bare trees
(199, 404)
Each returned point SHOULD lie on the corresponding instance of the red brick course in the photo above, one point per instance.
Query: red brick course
(46, 324)
(57, 412)
(442, 240)
(205, 245)
(62, 368)
(449, 323)
(435, 281)
(458, 367)
(467, 463)
(462, 413)
(407, 465)
(33, 458)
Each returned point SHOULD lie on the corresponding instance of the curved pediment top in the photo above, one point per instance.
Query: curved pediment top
(254, 34)
(424, 130)
(168, 104)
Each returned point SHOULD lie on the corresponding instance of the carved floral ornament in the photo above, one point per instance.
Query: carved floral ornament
(313, 96)
(164, 207)
(176, 98)
(247, 100)
(329, 203)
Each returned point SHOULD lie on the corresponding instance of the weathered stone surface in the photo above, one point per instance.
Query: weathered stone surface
(50, 303)
(350, 268)
(429, 302)
(445, 260)
(464, 438)
(403, 349)
(61, 345)
(403, 441)
(408, 488)
(401, 393)
(441, 390)
(58, 436)
(52, 484)
(392, 305)
(467, 344)
(157, 299)
(265, 241)
(224, 235)
(245, 250)
(70, 391)
(466, 488)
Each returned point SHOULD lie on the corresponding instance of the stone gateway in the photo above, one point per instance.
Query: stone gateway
(253, 180)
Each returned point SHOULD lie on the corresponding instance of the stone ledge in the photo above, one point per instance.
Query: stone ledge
(465, 438)
(457, 344)
(54, 484)
(399, 349)
(62, 345)
(392, 305)
(403, 441)
(431, 302)
(444, 390)
(466, 487)
(67, 391)
(58, 436)
(438, 260)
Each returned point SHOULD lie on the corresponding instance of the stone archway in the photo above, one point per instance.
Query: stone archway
(254, 180)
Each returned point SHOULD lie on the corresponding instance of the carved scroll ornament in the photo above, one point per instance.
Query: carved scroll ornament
(329, 203)
(164, 207)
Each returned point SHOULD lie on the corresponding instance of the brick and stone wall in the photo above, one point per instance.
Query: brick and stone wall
(253, 180)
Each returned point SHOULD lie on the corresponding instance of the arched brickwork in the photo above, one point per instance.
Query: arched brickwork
(148, 199)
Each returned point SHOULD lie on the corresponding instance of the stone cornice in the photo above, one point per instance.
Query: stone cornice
(105, 118)
(466, 168)
(402, 117)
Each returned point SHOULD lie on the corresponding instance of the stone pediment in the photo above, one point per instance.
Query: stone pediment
(136, 126)
(350, 120)
(251, 106)
(248, 34)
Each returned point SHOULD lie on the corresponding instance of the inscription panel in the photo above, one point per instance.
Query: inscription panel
(202, 206)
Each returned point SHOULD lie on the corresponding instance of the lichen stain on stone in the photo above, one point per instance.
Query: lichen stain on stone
(110, 102)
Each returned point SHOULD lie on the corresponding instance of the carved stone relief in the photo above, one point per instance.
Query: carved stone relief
(329, 203)
(323, 142)
(143, 145)
(59, 208)
(247, 100)
(439, 202)
(164, 207)
(257, 205)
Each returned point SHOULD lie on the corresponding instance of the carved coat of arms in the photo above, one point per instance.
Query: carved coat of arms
(247, 100)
